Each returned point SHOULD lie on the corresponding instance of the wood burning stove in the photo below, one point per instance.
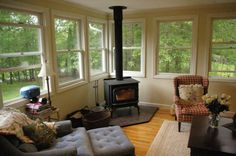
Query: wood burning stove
(120, 91)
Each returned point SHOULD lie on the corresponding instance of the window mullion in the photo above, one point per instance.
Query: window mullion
(19, 54)
(20, 25)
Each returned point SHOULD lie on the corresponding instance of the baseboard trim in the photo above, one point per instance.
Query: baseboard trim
(155, 104)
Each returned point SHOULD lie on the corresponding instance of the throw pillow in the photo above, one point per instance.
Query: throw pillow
(197, 92)
(191, 94)
(12, 121)
(42, 135)
(185, 92)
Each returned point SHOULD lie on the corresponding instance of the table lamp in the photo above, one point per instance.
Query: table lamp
(46, 72)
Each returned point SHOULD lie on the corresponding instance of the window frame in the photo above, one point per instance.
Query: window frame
(208, 49)
(43, 14)
(193, 59)
(83, 64)
(105, 73)
(142, 72)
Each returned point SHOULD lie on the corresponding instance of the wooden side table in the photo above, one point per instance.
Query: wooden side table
(207, 141)
(46, 114)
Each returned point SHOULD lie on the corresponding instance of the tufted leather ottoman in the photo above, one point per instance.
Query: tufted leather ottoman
(109, 141)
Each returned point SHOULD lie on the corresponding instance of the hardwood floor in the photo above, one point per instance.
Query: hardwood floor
(142, 135)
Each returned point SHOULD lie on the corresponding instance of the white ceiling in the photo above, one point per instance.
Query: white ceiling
(135, 5)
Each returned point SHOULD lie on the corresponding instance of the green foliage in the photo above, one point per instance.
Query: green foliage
(132, 38)
(224, 30)
(175, 43)
(19, 51)
(11, 91)
(67, 40)
(96, 51)
(223, 54)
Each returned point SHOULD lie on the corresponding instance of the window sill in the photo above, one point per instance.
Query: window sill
(20, 102)
(130, 73)
(98, 76)
(168, 75)
(70, 85)
(227, 80)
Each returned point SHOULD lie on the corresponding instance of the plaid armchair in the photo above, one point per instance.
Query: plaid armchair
(184, 113)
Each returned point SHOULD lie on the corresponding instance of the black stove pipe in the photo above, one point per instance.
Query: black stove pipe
(118, 16)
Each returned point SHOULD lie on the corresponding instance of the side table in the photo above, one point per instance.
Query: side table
(207, 141)
(46, 114)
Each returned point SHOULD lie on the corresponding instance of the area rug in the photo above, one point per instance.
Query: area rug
(170, 142)
(129, 115)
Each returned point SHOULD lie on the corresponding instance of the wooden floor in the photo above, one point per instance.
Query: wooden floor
(142, 135)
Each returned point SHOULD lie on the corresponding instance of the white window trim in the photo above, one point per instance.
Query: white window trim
(44, 20)
(193, 65)
(105, 44)
(207, 61)
(84, 56)
(142, 72)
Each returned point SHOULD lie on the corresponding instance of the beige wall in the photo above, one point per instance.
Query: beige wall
(152, 90)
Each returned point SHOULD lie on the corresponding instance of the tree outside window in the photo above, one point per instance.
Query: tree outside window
(133, 51)
(20, 51)
(223, 48)
(68, 48)
(97, 52)
(174, 50)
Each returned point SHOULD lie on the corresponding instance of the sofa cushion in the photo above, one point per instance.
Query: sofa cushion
(109, 141)
(78, 138)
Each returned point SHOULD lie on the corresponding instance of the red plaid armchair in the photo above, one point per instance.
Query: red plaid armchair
(184, 113)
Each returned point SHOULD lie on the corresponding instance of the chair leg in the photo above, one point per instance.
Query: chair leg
(179, 126)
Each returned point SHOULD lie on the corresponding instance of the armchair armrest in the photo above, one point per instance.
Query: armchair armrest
(8, 149)
(63, 128)
(176, 99)
(69, 151)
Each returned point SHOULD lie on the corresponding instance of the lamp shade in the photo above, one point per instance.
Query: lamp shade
(45, 71)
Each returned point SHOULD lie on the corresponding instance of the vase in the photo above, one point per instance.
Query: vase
(214, 120)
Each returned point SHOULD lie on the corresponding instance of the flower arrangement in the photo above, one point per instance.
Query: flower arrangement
(217, 104)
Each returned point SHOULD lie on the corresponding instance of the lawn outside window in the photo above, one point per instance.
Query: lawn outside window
(222, 49)
(21, 51)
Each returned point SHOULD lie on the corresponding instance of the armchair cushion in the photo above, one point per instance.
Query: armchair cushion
(77, 138)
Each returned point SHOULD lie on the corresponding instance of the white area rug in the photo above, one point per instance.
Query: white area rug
(170, 142)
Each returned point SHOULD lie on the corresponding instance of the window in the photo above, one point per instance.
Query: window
(175, 53)
(133, 48)
(223, 48)
(97, 51)
(68, 50)
(20, 51)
